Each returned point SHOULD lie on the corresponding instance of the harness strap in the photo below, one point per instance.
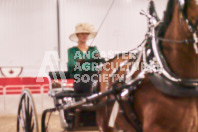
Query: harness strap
(186, 41)
(132, 118)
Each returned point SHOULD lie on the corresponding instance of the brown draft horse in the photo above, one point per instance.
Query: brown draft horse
(159, 112)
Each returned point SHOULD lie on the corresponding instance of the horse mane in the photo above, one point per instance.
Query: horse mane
(168, 15)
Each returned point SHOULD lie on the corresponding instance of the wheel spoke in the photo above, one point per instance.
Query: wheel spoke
(21, 122)
(26, 119)
(32, 127)
(27, 105)
(23, 115)
(31, 119)
(30, 115)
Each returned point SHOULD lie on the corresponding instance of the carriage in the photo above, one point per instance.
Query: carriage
(76, 111)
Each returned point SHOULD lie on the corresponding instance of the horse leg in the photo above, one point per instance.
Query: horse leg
(102, 118)
(123, 124)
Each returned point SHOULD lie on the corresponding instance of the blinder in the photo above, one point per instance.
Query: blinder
(182, 3)
(192, 27)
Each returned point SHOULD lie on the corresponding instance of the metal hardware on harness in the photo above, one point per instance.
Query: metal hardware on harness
(154, 48)
(196, 42)
(152, 66)
(135, 66)
(132, 118)
(126, 94)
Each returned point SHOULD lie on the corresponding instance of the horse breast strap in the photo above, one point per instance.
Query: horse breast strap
(172, 88)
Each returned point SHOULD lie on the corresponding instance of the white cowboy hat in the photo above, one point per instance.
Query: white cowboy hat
(83, 28)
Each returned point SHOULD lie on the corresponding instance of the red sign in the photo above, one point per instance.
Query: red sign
(17, 84)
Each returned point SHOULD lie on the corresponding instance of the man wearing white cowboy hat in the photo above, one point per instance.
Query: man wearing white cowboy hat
(82, 53)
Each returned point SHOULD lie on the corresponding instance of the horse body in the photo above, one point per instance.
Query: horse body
(159, 112)
(165, 113)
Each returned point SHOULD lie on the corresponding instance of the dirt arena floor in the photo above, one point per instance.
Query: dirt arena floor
(8, 123)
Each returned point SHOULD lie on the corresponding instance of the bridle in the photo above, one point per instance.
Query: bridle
(192, 27)
(158, 56)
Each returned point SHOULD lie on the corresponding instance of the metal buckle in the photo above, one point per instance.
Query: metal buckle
(196, 42)
(182, 3)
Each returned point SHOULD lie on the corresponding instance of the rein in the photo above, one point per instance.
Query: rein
(191, 27)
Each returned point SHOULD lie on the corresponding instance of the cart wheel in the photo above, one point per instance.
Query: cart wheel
(27, 116)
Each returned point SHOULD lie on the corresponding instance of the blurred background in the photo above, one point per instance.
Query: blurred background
(31, 28)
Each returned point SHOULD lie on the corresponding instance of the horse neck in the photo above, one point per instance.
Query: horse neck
(181, 58)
